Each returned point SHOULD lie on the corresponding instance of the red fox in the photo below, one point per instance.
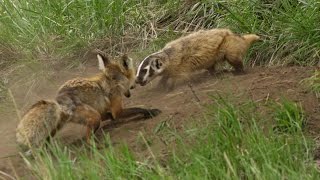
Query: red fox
(196, 51)
(82, 100)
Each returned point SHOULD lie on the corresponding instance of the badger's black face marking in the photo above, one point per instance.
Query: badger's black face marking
(143, 72)
(151, 72)
(149, 68)
(158, 63)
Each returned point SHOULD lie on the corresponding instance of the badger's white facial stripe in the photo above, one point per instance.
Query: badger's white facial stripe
(145, 77)
(149, 68)
(140, 65)
(144, 61)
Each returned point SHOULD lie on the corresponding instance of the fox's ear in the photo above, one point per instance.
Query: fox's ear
(103, 61)
(126, 62)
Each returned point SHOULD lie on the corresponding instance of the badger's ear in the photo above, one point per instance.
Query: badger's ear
(103, 61)
(126, 62)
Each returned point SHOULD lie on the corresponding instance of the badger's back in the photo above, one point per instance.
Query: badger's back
(237, 46)
(37, 123)
(195, 51)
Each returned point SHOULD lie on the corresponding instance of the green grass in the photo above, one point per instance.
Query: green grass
(44, 29)
(227, 143)
(230, 143)
(313, 82)
(289, 117)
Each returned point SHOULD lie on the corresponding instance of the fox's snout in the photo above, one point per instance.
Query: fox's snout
(133, 86)
(127, 94)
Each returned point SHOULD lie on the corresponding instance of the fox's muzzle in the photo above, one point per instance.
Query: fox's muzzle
(127, 94)
(133, 86)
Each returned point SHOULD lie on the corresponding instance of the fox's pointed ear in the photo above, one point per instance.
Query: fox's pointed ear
(103, 61)
(126, 62)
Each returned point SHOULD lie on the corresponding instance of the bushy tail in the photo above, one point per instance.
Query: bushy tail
(37, 124)
(250, 38)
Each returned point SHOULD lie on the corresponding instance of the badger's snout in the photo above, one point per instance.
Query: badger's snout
(140, 81)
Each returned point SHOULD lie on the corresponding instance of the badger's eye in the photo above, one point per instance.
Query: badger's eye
(157, 63)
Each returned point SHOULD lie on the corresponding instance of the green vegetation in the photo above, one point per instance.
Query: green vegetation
(313, 82)
(229, 144)
(53, 30)
(289, 116)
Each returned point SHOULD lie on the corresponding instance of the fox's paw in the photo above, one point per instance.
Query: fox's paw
(150, 113)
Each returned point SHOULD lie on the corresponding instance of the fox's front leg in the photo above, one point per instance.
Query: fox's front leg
(116, 106)
(86, 115)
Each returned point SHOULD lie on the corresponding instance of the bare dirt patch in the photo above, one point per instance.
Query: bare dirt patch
(178, 107)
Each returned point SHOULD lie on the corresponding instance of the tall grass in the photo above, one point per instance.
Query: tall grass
(60, 28)
(50, 25)
(227, 144)
(289, 117)
(313, 83)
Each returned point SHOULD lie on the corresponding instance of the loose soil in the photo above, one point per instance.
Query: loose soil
(180, 106)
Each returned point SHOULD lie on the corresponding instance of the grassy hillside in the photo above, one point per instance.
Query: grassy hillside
(53, 30)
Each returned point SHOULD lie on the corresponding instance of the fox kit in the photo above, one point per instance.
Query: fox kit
(81, 100)
(199, 50)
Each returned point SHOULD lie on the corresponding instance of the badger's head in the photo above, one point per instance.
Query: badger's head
(151, 67)
(120, 73)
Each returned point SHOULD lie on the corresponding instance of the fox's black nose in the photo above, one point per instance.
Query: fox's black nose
(128, 94)
(133, 86)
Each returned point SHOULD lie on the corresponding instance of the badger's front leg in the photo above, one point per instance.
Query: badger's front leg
(167, 82)
(163, 81)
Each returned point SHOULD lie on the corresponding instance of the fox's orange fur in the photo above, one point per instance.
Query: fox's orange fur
(81, 100)
(38, 122)
(199, 50)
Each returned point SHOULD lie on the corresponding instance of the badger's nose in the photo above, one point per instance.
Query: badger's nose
(139, 80)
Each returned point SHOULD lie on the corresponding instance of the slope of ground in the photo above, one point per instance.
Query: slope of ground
(259, 84)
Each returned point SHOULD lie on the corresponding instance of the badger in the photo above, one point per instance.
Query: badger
(197, 51)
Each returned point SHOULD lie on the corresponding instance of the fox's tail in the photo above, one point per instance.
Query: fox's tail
(37, 124)
(250, 38)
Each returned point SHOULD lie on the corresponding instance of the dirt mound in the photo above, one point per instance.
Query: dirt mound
(258, 84)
